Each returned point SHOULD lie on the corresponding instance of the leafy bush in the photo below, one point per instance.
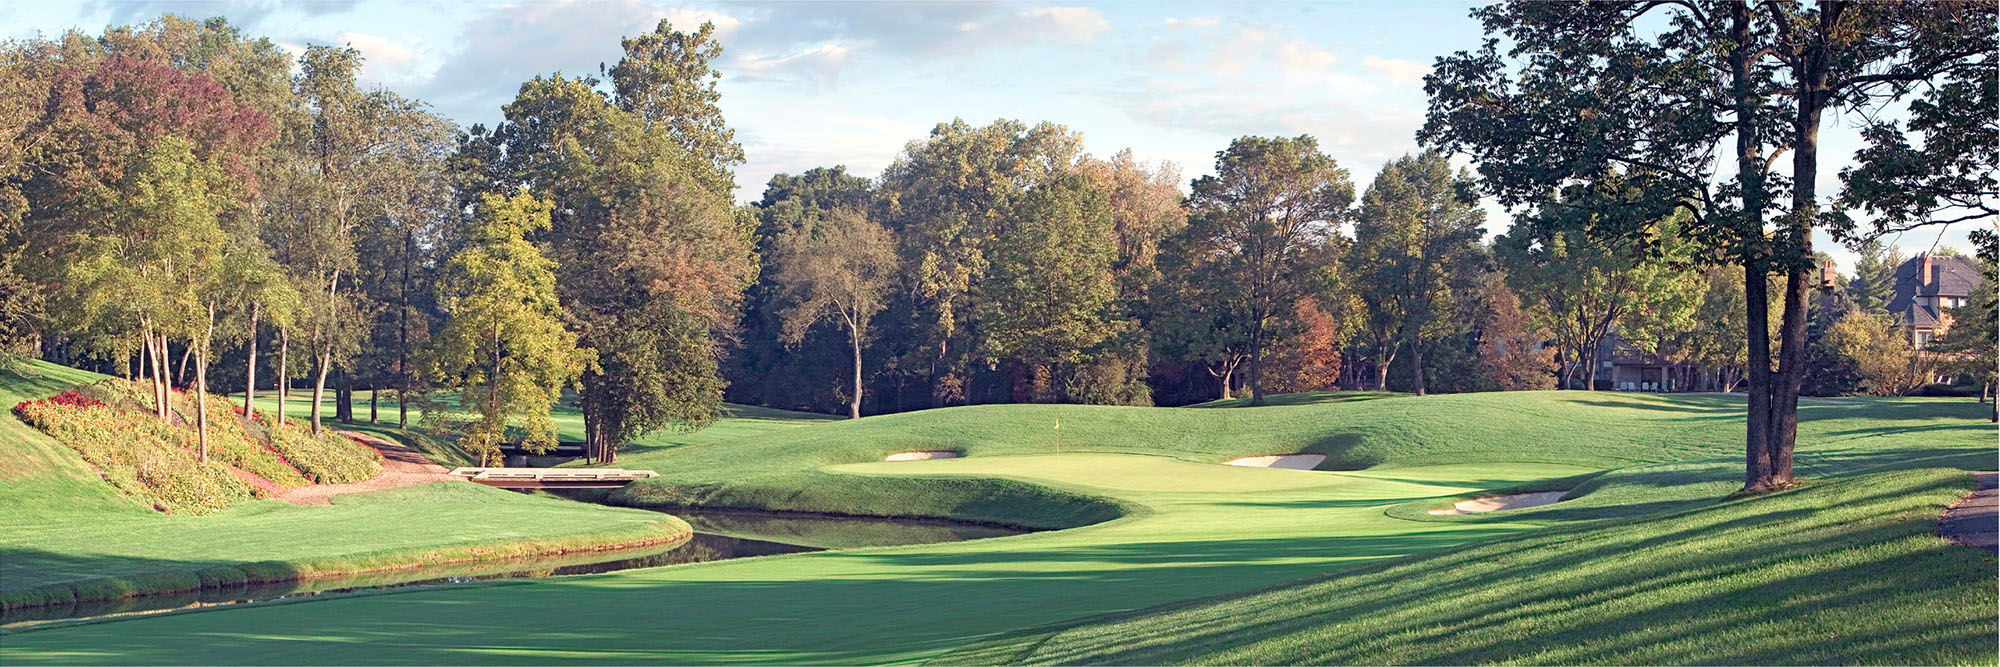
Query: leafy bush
(328, 459)
(139, 455)
(230, 436)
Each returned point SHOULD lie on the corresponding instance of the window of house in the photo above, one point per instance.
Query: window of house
(1923, 339)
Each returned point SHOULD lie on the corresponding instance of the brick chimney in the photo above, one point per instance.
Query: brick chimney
(1925, 277)
(1827, 275)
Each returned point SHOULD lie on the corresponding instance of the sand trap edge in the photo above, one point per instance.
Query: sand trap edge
(1280, 461)
(1512, 501)
(922, 456)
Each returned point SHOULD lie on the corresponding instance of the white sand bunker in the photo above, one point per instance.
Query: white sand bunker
(922, 456)
(1500, 503)
(1282, 461)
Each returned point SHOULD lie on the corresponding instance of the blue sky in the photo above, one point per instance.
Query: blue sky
(810, 84)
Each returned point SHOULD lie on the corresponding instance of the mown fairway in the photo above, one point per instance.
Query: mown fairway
(1648, 546)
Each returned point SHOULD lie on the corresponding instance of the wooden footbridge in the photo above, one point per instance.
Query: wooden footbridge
(553, 478)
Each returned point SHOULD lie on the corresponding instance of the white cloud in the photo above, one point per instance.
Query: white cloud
(689, 19)
(1196, 22)
(1075, 24)
(1396, 69)
(1072, 25)
(819, 65)
(509, 44)
(382, 60)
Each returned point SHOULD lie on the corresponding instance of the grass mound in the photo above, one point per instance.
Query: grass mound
(1844, 572)
(110, 423)
(330, 458)
(139, 455)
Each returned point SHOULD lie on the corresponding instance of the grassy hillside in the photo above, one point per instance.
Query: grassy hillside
(1192, 530)
(65, 534)
(1667, 448)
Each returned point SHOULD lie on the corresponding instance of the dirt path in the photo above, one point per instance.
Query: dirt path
(1974, 520)
(401, 467)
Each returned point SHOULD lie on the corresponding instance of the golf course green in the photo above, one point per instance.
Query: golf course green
(1166, 557)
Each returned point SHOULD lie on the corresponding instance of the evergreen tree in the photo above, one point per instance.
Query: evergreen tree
(1874, 280)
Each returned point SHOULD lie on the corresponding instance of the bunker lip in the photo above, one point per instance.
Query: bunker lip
(1281, 461)
(923, 455)
(1512, 501)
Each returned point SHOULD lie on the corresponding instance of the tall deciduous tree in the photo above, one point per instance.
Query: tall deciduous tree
(1880, 352)
(1419, 225)
(1656, 87)
(1051, 292)
(1262, 229)
(839, 269)
(504, 345)
(1510, 342)
(1583, 288)
(1968, 348)
(766, 369)
(653, 257)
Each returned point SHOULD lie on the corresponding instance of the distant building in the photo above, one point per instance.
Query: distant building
(1622, 366)
(1926, 287)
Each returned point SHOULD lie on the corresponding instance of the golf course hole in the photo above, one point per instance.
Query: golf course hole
(1281, 461)
(923, 456)
(1502, 503)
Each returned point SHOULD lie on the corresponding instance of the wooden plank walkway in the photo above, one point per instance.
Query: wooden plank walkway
(553, 478)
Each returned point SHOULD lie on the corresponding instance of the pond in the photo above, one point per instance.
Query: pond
(719, 535)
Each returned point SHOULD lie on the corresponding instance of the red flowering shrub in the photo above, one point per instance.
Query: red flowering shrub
(137, 454)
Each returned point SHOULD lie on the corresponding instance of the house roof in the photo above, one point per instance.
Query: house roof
(1951, 276)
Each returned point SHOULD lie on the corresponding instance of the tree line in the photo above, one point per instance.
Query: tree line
(180, 187)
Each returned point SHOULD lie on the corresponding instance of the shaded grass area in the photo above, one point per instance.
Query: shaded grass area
(1839, 573)
(65, 535)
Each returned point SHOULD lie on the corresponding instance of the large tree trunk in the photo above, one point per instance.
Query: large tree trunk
(1225, 375)
(1593, 361)
(250, 367)
(1756, 293)
(1813, 97)
(372, 393)
(343, 398)
(1256, 373)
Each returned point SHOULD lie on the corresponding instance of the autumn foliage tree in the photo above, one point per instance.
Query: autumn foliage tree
(839, 269)
(1262, 229)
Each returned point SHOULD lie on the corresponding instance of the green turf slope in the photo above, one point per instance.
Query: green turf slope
(1839, 573)
(1189, 530)
(65, 534)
